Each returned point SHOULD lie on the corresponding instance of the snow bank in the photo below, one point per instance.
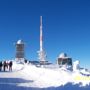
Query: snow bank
(44, 77)
(17, 66)
(76, 66)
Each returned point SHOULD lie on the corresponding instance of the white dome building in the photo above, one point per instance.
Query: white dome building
(63, 59)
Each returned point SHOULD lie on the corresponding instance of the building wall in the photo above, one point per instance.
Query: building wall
(64, 61)
(19, 50)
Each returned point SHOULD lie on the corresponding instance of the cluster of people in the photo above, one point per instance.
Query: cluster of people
(6, 65)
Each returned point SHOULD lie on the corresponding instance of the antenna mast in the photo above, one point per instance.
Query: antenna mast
(41, 52)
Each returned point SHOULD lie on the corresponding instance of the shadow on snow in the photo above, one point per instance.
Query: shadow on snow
(12, 84)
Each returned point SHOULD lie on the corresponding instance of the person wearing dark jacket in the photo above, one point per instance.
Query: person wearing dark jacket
(10, 65)
(4, 65)
(1, 65)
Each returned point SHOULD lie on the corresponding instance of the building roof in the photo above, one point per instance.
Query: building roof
(20, 42)
(63, 55)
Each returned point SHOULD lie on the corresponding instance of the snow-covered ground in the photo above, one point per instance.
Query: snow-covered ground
(30, 77)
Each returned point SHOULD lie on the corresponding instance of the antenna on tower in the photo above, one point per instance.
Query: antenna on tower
(41, 52)
(41, 35)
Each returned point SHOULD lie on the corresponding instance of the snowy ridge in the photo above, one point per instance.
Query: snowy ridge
(49, 77)
(46, 77)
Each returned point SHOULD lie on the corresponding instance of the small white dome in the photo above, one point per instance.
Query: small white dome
(20, 42)
(62, 55)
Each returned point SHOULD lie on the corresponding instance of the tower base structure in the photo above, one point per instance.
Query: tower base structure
(43, 62)
(42, 57)
(20, 60)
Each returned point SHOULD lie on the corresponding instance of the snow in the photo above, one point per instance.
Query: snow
(17, 66)
(28, 77)
(76, 65)
(46, 77)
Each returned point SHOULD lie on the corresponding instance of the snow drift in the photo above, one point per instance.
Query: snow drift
(45, 76)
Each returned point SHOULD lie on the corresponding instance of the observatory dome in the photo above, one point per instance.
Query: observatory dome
(20, 42)
(62, 55)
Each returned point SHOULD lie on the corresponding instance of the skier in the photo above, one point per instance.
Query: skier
(0, 65)
(10, 65)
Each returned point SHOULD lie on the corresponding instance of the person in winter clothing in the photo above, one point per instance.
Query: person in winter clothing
(4, 65)
(1, 65)
(10, 65)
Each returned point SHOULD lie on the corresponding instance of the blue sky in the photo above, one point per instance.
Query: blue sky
(66, 27)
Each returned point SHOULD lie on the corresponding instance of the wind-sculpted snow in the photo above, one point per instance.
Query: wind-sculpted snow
(46, 77)
(30, 77)
(17, 66)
